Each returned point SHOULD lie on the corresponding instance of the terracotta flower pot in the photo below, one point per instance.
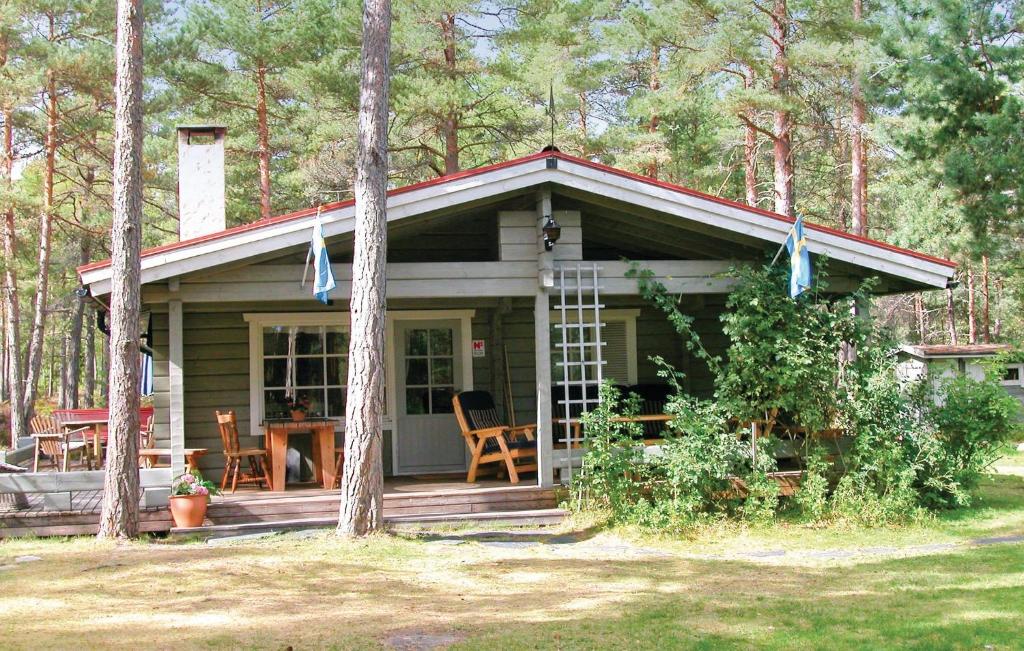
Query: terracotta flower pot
(298, 415)
(188, 510)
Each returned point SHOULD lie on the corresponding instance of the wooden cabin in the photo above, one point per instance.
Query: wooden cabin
(475, 300)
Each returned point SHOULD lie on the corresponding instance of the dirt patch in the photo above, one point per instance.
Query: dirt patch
(420, 640)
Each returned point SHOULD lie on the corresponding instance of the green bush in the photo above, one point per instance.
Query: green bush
(908, 448)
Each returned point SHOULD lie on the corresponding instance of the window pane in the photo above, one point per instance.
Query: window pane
(415, 342)
(442, 400)
(1012, 374)
(417, 401)
(308, 341)
(416, 371)
(442, 371)
(274, 404)
(335, 403)
(441, 341)
(309, 371)
(337, 370)
(275, 372)
(337, 341)
(275, 341)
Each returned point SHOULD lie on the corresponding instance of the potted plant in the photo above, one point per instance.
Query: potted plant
(190, 494)
(298, 406)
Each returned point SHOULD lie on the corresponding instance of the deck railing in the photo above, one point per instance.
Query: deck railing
(56, 488)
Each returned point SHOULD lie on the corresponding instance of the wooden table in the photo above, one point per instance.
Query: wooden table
(97, 424)
(277, 433)
(149, 456)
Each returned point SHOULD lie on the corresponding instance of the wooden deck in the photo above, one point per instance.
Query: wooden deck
(406, 501)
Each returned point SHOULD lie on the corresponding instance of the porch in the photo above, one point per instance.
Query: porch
(408, 501)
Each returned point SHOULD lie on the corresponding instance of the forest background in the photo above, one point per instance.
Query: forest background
(898, 120)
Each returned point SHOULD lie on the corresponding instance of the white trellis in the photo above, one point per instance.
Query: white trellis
(578, 345)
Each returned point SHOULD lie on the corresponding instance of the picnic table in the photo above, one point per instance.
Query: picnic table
(277, 432)
(97, 422)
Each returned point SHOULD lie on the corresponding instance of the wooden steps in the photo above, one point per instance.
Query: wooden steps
(531, 517)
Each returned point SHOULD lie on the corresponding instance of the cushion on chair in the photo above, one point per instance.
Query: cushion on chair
(479, 405)
(491, 444)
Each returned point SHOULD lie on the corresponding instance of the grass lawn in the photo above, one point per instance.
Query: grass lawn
(606, 589)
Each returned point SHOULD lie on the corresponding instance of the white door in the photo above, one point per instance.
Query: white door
(428, 360)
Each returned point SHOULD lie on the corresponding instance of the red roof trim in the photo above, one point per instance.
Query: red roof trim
(299, 214)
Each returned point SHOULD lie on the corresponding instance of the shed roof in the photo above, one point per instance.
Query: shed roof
(291, 229)
(944, 350)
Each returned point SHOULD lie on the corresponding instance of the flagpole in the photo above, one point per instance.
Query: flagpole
(782, 246)
(309, 253)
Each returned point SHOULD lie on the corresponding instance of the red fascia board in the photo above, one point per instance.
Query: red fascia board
(299, 214)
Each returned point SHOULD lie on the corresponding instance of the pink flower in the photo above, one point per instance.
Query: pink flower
(201, 490)
(189, 479)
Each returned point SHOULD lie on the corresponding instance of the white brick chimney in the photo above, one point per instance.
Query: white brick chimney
(200, 180)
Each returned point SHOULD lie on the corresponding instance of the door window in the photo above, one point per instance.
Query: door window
(429, 370)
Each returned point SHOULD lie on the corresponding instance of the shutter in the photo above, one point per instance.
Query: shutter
(615, 352)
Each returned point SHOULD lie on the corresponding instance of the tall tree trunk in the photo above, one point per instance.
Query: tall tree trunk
(783, 124)
(972, 320)
(362, 484)
(922, 330)
(37, 338)
(89, 376)
(119, 517)
(12, 333)
(450, 125)
(858, 153)
(263, 136)
(73, 360)
(986, 329)
(997, 325)
(749, 144)
(584, 126)
(654, 85)
(950, 316)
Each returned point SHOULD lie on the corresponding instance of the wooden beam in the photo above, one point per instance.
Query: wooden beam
(542, 349)
(176, 374)
(75, 480)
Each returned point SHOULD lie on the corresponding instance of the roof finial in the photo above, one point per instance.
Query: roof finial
(551, 116)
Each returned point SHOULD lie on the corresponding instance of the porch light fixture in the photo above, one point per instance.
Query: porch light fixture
(552, 231)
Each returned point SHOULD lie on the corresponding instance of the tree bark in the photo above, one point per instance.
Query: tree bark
(950, 316)
(858, 153)
(34, 362)
(73, 358)
(450, 125)
(263, 136)
(12, 315)
(362, 484)
(986, 329)
(584, 126)
(972, 321)
(119, 517)
(655, 121)
(89, 376)
(749, 145)
(922, 330)
(783, 125)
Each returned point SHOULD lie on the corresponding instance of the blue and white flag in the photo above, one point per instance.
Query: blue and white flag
(799, 259)
(323, 277)
(145, 375)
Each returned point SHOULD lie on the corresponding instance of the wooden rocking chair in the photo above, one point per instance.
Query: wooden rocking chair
(259, 462)
(489, 440)
(64, 448)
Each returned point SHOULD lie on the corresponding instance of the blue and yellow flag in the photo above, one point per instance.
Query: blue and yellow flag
(799, 260)
(323, 277)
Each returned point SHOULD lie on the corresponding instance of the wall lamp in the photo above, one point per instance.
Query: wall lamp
(552, 231)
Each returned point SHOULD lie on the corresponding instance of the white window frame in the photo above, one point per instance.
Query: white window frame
(627, 316)
(1019, 382)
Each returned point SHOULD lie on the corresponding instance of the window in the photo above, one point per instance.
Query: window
(429, 370)
(1013, 375)
(308, 362)
(618, 353)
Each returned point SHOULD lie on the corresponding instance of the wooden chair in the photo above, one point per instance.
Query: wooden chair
(259, 461)
(147, 441)
(491, 441)
(339, 465)
(64, 448)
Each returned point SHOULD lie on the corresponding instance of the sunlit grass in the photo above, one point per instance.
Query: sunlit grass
(608, 589)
